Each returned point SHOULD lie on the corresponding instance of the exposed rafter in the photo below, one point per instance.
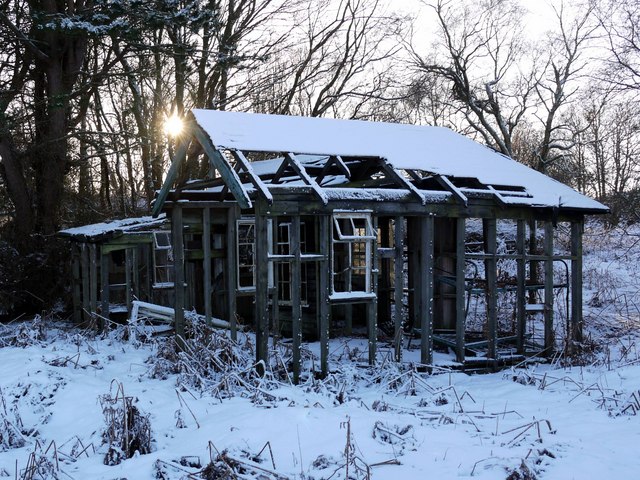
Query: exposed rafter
(393, 174)
(242, 161)
(299, 169)
(178, 159)
(217, 160)
(449, 186)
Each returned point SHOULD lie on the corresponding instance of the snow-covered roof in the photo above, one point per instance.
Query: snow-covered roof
(435, 150)
(113, 228)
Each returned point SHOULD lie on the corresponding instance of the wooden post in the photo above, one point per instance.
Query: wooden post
(231, 271)
(296, 285)
(384, 280)
(86, 296)
(206, 263)
(460, 289)
(104, 290)
(262, 285)
(425, 296)
(128, 278)
(549, 339)
(490, 229)
(324, 290)
(372, 306)
(136, 271)
(521, 276)
(415, 276)
(275, 289)
(178, 268)
(398, 285)
(93, 279)
(577, 229)
(77, 290)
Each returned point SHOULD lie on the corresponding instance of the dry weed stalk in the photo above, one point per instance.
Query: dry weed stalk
(128, 430)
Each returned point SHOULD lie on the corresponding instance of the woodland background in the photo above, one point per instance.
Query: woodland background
(86, 86)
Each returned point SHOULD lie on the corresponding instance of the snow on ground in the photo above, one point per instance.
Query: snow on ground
(545, 421)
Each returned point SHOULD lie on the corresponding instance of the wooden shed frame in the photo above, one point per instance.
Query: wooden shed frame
(92, 267)
(410, 214)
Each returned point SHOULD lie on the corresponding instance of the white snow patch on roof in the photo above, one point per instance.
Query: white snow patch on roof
(124, 225)
(436, 150)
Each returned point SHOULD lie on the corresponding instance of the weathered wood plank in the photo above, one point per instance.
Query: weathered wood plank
(104, 289)
(446, 183)
(255, 179)
(93, 279)
(461, 317)
(296, 286)
(490, 232)
(398, 286)
(324, 290)
(178, 275)
(299, 169)
(401, 181)
(86, 296)
(128, 266)
(77, 286)
(262, 285)
(372, 308)
(206, 263)
(521, 276)
(178, 158)
(425, 296)
(229, 175)
(231, 272)
(549, 338)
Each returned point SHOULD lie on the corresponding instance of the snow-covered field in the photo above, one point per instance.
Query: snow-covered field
(63, 391)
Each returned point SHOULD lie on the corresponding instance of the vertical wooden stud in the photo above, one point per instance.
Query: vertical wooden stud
(324, 310)
(296, 285)
(104, 289)
(178, 276)
(577, 229)
(460, 289)
(135, 253)
(128, 252)
(77, 289)
(262, 284)
(425, 297)
(86, 296)
(231, 271)
(206, 262)
(398, 286)
(93, 279)
(549, 338)
(372, 306)
(490, 230)
(521, 277)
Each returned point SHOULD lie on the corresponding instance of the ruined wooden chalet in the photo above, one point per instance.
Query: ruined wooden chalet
(319, 227)
(314, 228)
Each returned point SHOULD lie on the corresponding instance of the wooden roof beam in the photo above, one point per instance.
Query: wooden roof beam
(255, 179)
(228, 174)
(299, 169)
(449, 186)
(338, 162)
(401, 181)
(178, 158)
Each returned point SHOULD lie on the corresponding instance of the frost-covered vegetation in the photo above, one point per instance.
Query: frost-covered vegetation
(74, 404)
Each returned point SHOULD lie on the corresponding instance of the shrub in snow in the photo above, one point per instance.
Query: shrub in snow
(128, 429)
(26, 334)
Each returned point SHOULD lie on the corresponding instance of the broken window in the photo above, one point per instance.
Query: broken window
(353, 237)
(162, 260)
(283, 247)
(246, 254)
